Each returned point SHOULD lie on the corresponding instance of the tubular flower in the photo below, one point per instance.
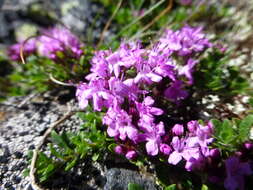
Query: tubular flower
(123, 83)
(29, 47)
(56, 40)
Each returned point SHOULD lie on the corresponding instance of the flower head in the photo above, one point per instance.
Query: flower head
(178, 129)
(56, 40)
(28, 48)
(131, 154)
(176, 92)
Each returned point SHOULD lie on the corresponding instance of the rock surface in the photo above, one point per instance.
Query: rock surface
(25, 119)
(23, 18)
(21, 130)
(118, 179)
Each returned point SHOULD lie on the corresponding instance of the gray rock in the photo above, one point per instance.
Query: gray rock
(3, 159)
(16, 179)
(18, 154)
(19, 134)
(19, 18)
(118, 179)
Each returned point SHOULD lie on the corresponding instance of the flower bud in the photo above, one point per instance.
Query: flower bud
(131, 154)
(215, 153)
(192, 126)
(248, 145)
(119, 149)
(165, 149)
(178, 129)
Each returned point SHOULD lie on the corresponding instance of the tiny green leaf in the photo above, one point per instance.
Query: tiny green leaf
(204, 187)
(71, 164)
(133, 186)
(245, 127)
(171, 187)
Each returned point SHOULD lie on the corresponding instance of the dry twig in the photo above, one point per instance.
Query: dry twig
(109, 23)
(59, 82)
(21, 52)
(168, 8)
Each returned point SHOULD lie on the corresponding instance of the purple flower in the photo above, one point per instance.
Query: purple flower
(215, 153)
(119, 124)
(236, 171)
(123, 83)
(59, 40)
(119, 149)
(185, 2)
(179, 146)
(125, 89)
(185, 42)
(165, 149)
(195, 163)
(178, 129)
(187, 70)
(131, 154)
(192, 126)
(184, 149)
(146, 75)
(175, 92)
(248, 145)
(96, 91)
(193, 148)
(100, 68)
(153, 137)
(29, 47)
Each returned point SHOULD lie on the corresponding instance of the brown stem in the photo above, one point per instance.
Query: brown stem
(168, 8)
(109, 23)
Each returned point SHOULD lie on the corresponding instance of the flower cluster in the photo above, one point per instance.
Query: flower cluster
(49, 44)
(124, 83)
(59, 40)
(193, 146)
(28, 48)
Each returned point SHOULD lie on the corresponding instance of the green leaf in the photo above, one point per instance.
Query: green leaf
(59, 140)
(204, 187)
(133, 186)
(224, 130)
(112, 146)
(251, 102)
(95, 157)
(171, 187)
(47, 172)
(26, 172)
(245, 127)
(71, 164)
(54, 152)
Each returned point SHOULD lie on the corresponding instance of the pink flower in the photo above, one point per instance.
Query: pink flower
(176, 92)
(119, 149)
(248, 145)
(29, 47)
(179, 147)
(178, 129)
(165, 149)
(59, 40)
(187, 70)
(131, 154)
